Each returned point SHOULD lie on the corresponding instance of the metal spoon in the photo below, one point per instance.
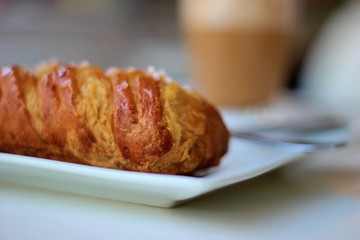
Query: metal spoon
(294, 130)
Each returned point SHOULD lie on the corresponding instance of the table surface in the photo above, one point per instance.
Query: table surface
(317, 197)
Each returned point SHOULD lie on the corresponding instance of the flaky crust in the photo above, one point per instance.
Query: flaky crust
(130, 120)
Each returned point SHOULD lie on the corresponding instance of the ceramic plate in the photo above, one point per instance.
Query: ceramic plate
(244, 160)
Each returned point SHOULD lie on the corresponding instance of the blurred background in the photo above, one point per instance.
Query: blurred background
(324, 58)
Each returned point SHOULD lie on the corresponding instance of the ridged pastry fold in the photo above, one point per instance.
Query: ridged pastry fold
(121, 119)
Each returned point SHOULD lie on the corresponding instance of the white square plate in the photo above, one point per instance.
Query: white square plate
(244, 160)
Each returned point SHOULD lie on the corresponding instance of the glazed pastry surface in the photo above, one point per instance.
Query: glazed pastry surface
(121, 119)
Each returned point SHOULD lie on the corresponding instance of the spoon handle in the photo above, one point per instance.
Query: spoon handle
(312, 145)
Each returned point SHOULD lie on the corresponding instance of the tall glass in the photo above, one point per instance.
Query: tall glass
(239, 49)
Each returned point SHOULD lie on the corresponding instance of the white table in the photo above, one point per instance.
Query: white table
(317, 197)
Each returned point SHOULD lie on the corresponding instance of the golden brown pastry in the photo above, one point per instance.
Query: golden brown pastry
(131, 120)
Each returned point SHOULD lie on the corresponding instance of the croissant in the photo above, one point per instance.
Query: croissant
(120, 119)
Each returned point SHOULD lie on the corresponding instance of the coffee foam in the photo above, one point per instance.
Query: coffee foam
(239, 14)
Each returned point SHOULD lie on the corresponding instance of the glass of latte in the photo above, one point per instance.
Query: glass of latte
(239, 49)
